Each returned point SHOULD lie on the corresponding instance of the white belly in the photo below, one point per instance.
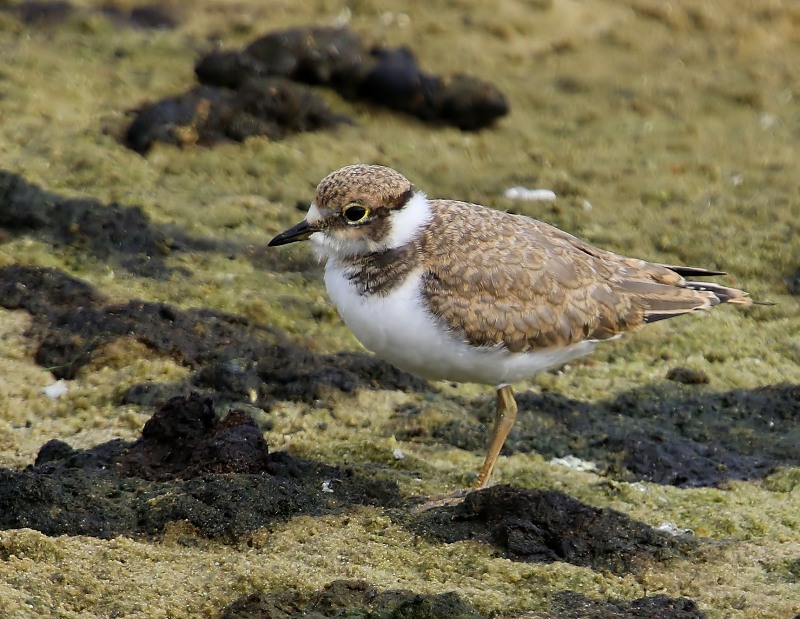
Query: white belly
(399, 329)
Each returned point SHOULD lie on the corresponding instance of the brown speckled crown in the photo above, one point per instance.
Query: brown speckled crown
(373, 186)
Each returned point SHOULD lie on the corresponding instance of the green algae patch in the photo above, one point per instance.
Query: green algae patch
(666, 133)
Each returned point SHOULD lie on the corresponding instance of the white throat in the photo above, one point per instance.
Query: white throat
(405, 225)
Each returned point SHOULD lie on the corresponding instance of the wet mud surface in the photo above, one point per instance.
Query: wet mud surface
(359, 599)
(571, 605)
(34, 13)
(222, 448)
(122, 235)
(669, 437)
(349, 599)
(675, 438)
(234, 357)
(217, 476)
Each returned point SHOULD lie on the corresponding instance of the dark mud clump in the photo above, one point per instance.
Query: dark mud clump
(356, 598)
(199, 462)
(346, 598)
(335, 57)
(40, 290)
(395, 81)
(121, 235)
(572, 605)
(793, 283)
(185, 439)
(687, 376)
(549, 526)
(42, 13)
(271, 106)
(323, 56)
(264, 90)
(71, 325)
(146, 16)
(35, 13)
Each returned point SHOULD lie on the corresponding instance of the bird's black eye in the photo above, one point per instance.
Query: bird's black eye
(354, 213)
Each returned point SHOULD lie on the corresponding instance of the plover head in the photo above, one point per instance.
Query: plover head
(361, 209)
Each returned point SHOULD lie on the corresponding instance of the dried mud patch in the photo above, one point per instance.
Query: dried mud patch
(665, 131)
(547, 526)
(217, 475)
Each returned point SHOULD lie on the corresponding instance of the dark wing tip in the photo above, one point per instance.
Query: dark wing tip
(692, 271)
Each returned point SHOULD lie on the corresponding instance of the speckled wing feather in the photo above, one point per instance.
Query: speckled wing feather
(505, 279)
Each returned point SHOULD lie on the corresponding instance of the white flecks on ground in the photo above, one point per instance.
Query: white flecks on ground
(574, 463)
(673, 529)
(56, 390)
(530, 195)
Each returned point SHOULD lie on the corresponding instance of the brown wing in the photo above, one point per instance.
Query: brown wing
(528, 285)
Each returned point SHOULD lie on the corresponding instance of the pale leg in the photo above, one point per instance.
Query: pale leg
(504, 417)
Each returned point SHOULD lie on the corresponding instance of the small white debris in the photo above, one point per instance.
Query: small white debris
(587, 206)
(326, 486)
(672, 529)
(767, 121)
(530, 195)
(343, 18)
(56, 390)
(398, 454)
(387, 18)
(574, 463)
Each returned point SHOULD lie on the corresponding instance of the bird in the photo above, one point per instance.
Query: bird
(455, 291)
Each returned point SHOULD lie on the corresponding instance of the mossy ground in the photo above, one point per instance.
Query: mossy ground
(668, 130)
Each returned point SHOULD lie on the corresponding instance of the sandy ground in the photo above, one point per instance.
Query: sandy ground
(668, 131)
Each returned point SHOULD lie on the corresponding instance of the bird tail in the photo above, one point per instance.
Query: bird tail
(723, 294)
(672, 298)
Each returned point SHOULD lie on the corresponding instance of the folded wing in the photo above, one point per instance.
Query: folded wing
(530, 286)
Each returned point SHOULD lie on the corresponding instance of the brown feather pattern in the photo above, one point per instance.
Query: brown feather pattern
(496, 278)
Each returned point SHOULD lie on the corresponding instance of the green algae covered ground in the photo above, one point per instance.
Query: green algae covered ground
(669, 131)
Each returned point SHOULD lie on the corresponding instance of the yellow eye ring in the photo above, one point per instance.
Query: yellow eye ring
(355, 213)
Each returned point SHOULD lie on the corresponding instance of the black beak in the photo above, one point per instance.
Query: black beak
(300, 232)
